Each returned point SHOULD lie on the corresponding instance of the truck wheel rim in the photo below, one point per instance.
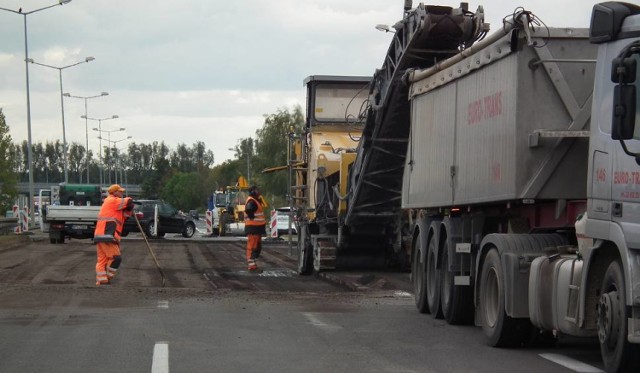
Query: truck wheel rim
(608, 319)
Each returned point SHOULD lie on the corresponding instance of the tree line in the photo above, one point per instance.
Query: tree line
(184, 176)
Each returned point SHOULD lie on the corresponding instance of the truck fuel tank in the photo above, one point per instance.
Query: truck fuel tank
(554, 287)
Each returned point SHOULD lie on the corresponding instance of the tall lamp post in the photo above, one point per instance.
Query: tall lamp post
(117, 152)
(26, 65)
(64, 132)
(99, 120)
(100, 137)
(86, 123)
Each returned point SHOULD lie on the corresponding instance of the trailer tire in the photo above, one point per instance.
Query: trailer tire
(617, 353)
(433, 278)
(418, 275)
(456, 301)
(500, 329)
(305, 251)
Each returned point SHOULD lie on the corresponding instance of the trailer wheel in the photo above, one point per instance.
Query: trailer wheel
(617, 353)
(433, 278)
(500, 329)
(305, 251)
(418, 275)
(457, 301)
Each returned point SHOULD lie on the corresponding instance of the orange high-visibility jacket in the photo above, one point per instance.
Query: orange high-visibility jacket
(111, 218)
(258, 218)
(257, 224)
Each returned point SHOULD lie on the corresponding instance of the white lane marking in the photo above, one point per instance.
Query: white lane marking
(402, 294)
(315, 321)
(160, 362)
(570, 363)
(163, 304)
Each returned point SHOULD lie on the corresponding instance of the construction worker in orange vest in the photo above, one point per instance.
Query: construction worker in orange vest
(254, 226)
(114, 211)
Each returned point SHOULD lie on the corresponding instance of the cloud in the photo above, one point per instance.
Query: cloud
(193, 70)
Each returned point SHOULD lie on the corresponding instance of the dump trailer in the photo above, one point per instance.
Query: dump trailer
(521, 180)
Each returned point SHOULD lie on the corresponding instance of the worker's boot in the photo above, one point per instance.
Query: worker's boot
(253, 267)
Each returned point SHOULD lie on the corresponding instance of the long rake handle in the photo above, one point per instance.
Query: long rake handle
(155, 260)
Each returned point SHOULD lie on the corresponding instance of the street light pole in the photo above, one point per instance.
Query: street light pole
(26, 64)
(112, 146)
(64, 135)
(117, 156)
(100, 131)
(86, 123)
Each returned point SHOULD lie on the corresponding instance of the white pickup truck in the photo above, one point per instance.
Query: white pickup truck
(73, 211)
(70, 221)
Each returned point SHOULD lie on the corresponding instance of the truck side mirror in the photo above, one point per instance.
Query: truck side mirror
(624, 112)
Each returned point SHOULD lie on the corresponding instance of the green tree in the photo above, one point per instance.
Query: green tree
(184, 191)
(271, 149)
(76, 162)
(161, 170)
(8, 189)
(15, 157)
(222, 175)
(182, 159)
(244, 155)
(203, 157)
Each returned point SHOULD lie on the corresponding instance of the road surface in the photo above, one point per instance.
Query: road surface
(213, 315)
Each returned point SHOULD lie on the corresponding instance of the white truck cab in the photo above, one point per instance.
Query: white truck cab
(612, 275)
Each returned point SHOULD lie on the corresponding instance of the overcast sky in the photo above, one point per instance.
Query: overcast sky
(197, 70)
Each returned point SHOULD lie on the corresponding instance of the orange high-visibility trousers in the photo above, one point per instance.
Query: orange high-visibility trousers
(108, 261)
(254, 246)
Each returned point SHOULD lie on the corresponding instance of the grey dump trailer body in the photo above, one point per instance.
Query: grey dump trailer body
(508, 122)
(518, 177)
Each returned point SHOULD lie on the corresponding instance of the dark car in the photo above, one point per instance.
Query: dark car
(170, 220)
